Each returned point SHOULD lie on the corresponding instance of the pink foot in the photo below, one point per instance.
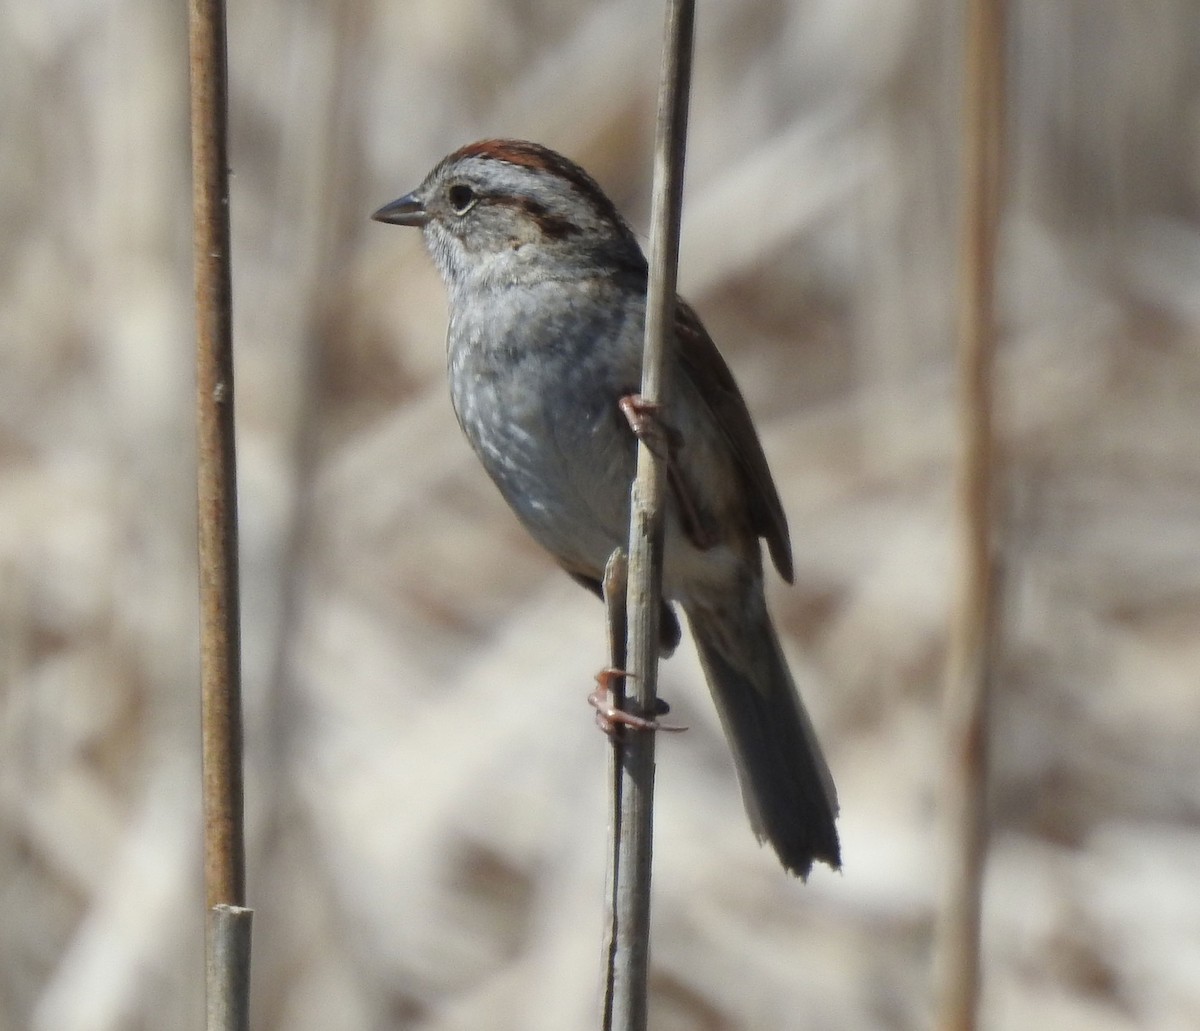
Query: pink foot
(609, 718)
(643, 419)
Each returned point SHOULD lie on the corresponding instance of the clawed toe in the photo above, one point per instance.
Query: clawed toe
(610, 718)
(643, 419)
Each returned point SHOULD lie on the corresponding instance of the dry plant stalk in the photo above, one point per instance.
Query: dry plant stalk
(616, 586)
(629, 970)
(227, 1002)
(220, 638)
(971, 651)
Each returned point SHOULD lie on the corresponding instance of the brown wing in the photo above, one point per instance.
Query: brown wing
(702, 363)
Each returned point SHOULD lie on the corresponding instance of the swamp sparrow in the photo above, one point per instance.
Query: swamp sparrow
(547, 288)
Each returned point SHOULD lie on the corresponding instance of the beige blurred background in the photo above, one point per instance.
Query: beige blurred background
(425, 786)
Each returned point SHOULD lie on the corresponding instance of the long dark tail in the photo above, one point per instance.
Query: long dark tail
(786, 784)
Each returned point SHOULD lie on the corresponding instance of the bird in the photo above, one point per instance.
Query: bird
(546, 285)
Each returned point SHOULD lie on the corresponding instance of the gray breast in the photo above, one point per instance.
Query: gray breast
(536, 390)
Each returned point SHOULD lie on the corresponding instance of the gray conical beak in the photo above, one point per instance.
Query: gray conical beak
(407, 211)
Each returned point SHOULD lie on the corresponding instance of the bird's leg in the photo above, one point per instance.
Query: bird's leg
(606, 701)
(609, 717)
(643, 419)
(665, 443)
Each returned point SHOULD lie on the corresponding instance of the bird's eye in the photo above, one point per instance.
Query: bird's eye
(462, 198)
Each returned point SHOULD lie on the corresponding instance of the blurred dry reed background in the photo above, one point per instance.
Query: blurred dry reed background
(425, 786)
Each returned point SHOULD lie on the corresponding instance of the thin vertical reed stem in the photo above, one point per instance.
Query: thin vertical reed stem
(971, 652)
(616, 588)
(220, 639)
(631, 947)
(227, 1001)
